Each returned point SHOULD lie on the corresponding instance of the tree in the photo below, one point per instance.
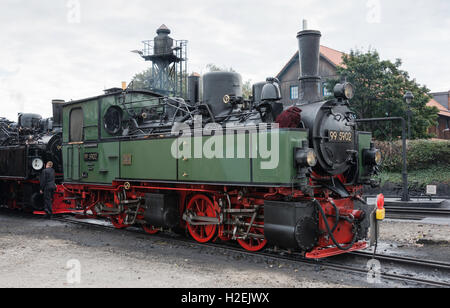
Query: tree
(247, 89)
(142, 80)
(214, 68)
(380, 86)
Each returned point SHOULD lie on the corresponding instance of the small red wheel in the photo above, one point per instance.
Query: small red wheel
(202, 206)
(150, 229)
(118, 221)
(254, 244)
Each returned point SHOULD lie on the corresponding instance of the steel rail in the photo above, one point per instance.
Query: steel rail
(295, 258)
(404, 260)
(415, 210)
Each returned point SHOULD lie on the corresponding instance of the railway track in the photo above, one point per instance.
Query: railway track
(296, 258)
(435, 265)
(415, 213)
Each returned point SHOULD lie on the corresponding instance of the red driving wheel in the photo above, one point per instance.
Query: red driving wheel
(118, 221)
(202, 206)
(252, 243)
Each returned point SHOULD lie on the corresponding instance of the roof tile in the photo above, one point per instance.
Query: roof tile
(442, 110)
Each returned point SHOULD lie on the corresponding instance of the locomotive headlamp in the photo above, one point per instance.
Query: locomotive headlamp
(378, 157)
(311, 158)
(372, 157)
(37, 164)
(306, 158)
(344, 91)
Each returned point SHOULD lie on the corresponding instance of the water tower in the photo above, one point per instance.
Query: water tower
(169, 58)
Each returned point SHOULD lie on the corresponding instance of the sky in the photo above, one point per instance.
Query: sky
(73, 49)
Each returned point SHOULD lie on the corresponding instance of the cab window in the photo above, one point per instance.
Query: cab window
(76, 125)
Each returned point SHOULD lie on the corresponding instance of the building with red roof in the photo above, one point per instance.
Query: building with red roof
(330, 60)
(441, 101)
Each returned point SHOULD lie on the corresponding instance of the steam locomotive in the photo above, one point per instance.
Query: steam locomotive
(220, 167)
(24, 148)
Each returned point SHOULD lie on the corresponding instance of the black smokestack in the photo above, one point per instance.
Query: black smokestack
(194, 88)
(309, 54)
(58, 112)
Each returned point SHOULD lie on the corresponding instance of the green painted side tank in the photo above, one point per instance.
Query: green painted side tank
(145, 147)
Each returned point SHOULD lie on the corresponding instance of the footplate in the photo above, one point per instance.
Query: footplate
(59, 212)
(320, 253)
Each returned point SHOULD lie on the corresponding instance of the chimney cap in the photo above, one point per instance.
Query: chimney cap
(163, 29)
(309, 32)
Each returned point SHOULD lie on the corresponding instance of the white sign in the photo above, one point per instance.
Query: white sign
(431, 190)
(371, 201)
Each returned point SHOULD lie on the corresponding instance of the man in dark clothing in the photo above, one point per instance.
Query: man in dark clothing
(48, 187)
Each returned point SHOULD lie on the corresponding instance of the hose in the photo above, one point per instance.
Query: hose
(346, 248)
(337, 216)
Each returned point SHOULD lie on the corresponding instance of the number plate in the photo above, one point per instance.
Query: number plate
(90, 156)
(340, 137)
(127, 160)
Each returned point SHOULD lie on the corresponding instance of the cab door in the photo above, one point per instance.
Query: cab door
(71, 152)
(80, 137)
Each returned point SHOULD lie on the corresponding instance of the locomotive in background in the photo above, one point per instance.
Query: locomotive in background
(25, 147)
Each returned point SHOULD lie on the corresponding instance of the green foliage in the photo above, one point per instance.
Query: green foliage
(214, 68)
(142, 80)
(247, 89)
(433, 175)
(380, 87)
(422, 155)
